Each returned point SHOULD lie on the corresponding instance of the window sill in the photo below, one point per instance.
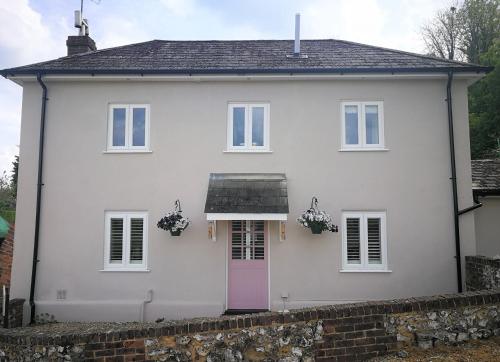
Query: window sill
(127, 151)
(128, 270)
(363, 149)
(365, 271)
(247, 151)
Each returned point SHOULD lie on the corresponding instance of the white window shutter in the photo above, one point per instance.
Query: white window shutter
(116, 240)
(353, 240)
(374, 241)
(136, 240)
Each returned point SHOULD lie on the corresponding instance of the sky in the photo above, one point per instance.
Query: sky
(36, 30)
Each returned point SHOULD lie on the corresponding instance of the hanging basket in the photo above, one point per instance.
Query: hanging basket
(174, 221)
(316, 220)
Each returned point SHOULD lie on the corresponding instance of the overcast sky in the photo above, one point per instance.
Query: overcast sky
(36, 30)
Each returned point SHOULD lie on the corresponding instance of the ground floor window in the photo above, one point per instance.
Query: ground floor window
(364, 241)
(125, 241)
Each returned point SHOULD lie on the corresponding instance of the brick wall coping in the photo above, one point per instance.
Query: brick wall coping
(483, 260)
(74, 333)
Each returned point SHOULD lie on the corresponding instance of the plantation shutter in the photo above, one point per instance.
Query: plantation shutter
(247, 240)
(353, 240)
(374, 240)
(116, 240)
(258, 239)
(136, 240)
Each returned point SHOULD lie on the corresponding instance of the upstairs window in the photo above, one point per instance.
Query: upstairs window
(126, 241)
(128, 127)
(248, 127)
(362, 125)
(364, 241)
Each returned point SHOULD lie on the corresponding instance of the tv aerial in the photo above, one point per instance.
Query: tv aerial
(82, 23)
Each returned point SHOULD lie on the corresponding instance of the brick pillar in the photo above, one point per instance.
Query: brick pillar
(6, 252)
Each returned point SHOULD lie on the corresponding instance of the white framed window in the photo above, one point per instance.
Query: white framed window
(364, 241)
(128, 127)
(248, 127)
(126, 241)
(362, 125)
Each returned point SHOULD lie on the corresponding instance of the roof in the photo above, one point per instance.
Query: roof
(248, 193)
(243, 57)
(486, 176)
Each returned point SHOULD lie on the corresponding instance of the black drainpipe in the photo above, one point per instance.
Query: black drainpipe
(454, 181)
(38, 196)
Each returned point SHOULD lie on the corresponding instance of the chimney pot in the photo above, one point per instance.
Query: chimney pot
(296, 49)
(80, 44)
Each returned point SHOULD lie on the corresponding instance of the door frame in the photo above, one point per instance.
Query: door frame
(228, 245)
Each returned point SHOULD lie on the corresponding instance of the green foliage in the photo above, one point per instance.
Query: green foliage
(484, 108)
(15, 172)
(479, 26)
(7, 199)
(8, 191)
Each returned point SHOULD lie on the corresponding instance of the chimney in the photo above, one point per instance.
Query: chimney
(81, 43)
(296, 48)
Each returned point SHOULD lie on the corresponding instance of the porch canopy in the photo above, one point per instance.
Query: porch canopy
(247, 196)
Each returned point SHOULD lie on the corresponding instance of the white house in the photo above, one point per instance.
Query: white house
(244, 134)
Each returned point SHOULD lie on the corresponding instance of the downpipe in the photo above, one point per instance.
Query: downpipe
(458, 255)
(38, 197)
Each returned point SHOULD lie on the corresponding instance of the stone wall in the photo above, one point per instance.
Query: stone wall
(346, 332)
(482, 273)
(6, 251)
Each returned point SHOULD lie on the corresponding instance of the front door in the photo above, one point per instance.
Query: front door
(247, 269)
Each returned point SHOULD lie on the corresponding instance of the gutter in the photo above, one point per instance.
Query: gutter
(245, 71)
(38, 197)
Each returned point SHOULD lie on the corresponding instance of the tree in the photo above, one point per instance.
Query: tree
(478, 20)
(6, 196)
(441, 34)
(484, 108)
(13, 177)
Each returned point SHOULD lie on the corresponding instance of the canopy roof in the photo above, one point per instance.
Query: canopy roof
(258, 196)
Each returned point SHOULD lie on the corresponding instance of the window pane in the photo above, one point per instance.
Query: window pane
(257, 126)
(351, 125)
(136, 240)
(116, 241)
(239, 126)
(119, 115)
(353, 241)
(371, 116)
(374, 241)
(139, 127)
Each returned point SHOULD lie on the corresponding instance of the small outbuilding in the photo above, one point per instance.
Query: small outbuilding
(486, 189)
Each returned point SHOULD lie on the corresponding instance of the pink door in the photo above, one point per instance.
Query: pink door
(247, 270)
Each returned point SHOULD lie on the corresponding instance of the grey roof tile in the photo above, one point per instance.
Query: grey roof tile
(247, 193)
(486, 174)
(184, 57)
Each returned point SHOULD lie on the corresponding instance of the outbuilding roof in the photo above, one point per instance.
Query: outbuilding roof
(247, 193)
(243, 57)
(486, 176)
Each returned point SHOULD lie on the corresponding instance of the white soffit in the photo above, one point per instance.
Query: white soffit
(238, 216)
